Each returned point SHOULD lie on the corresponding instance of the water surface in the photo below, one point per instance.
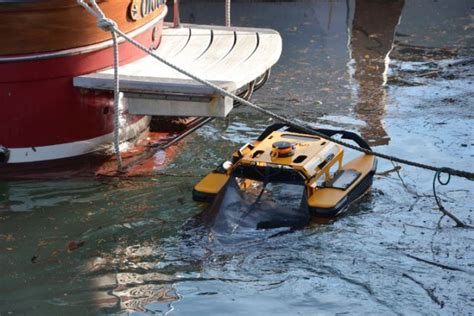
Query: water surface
(398, 72)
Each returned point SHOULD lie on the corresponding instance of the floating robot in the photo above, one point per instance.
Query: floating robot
(285, 156)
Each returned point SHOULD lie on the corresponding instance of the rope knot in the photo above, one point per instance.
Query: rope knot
(106, 24)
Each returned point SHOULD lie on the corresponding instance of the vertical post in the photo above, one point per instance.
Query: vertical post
(227, 13)
(176, 19)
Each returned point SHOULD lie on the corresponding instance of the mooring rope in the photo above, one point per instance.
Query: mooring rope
(109, 25)
(103, 21)
(116, 103)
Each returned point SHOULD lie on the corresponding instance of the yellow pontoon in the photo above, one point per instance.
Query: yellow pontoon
(283, 154)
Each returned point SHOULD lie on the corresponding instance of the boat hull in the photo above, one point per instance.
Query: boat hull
(44, 117)
(55, 25)
(139, 159)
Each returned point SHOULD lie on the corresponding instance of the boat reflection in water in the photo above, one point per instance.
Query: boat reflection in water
(324, 44)
(371, 41)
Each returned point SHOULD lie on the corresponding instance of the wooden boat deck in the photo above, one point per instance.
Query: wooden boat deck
(229, 57)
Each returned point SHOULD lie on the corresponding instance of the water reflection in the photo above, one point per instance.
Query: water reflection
(320, 38)
(132, 291)
(371, 41)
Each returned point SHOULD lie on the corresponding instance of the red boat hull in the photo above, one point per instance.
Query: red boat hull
(44, 117)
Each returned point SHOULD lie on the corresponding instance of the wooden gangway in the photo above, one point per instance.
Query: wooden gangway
(231, 58)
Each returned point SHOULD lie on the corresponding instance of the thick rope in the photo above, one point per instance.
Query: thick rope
(117, 103)
(307, 129)
(109, 25)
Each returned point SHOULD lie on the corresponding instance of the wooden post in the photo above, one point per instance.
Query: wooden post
(227, 13)
(176, 19)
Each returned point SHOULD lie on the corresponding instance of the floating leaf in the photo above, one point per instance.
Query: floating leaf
(42, 243)
(73, 245)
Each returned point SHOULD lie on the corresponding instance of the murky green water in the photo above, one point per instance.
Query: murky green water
(345, 64)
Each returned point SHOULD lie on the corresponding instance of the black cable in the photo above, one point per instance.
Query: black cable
(437, 178)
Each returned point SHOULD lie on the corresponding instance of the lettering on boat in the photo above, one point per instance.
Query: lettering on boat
(141, 8)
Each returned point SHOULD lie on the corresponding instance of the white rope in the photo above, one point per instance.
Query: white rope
(117, 103)
(109, 25)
